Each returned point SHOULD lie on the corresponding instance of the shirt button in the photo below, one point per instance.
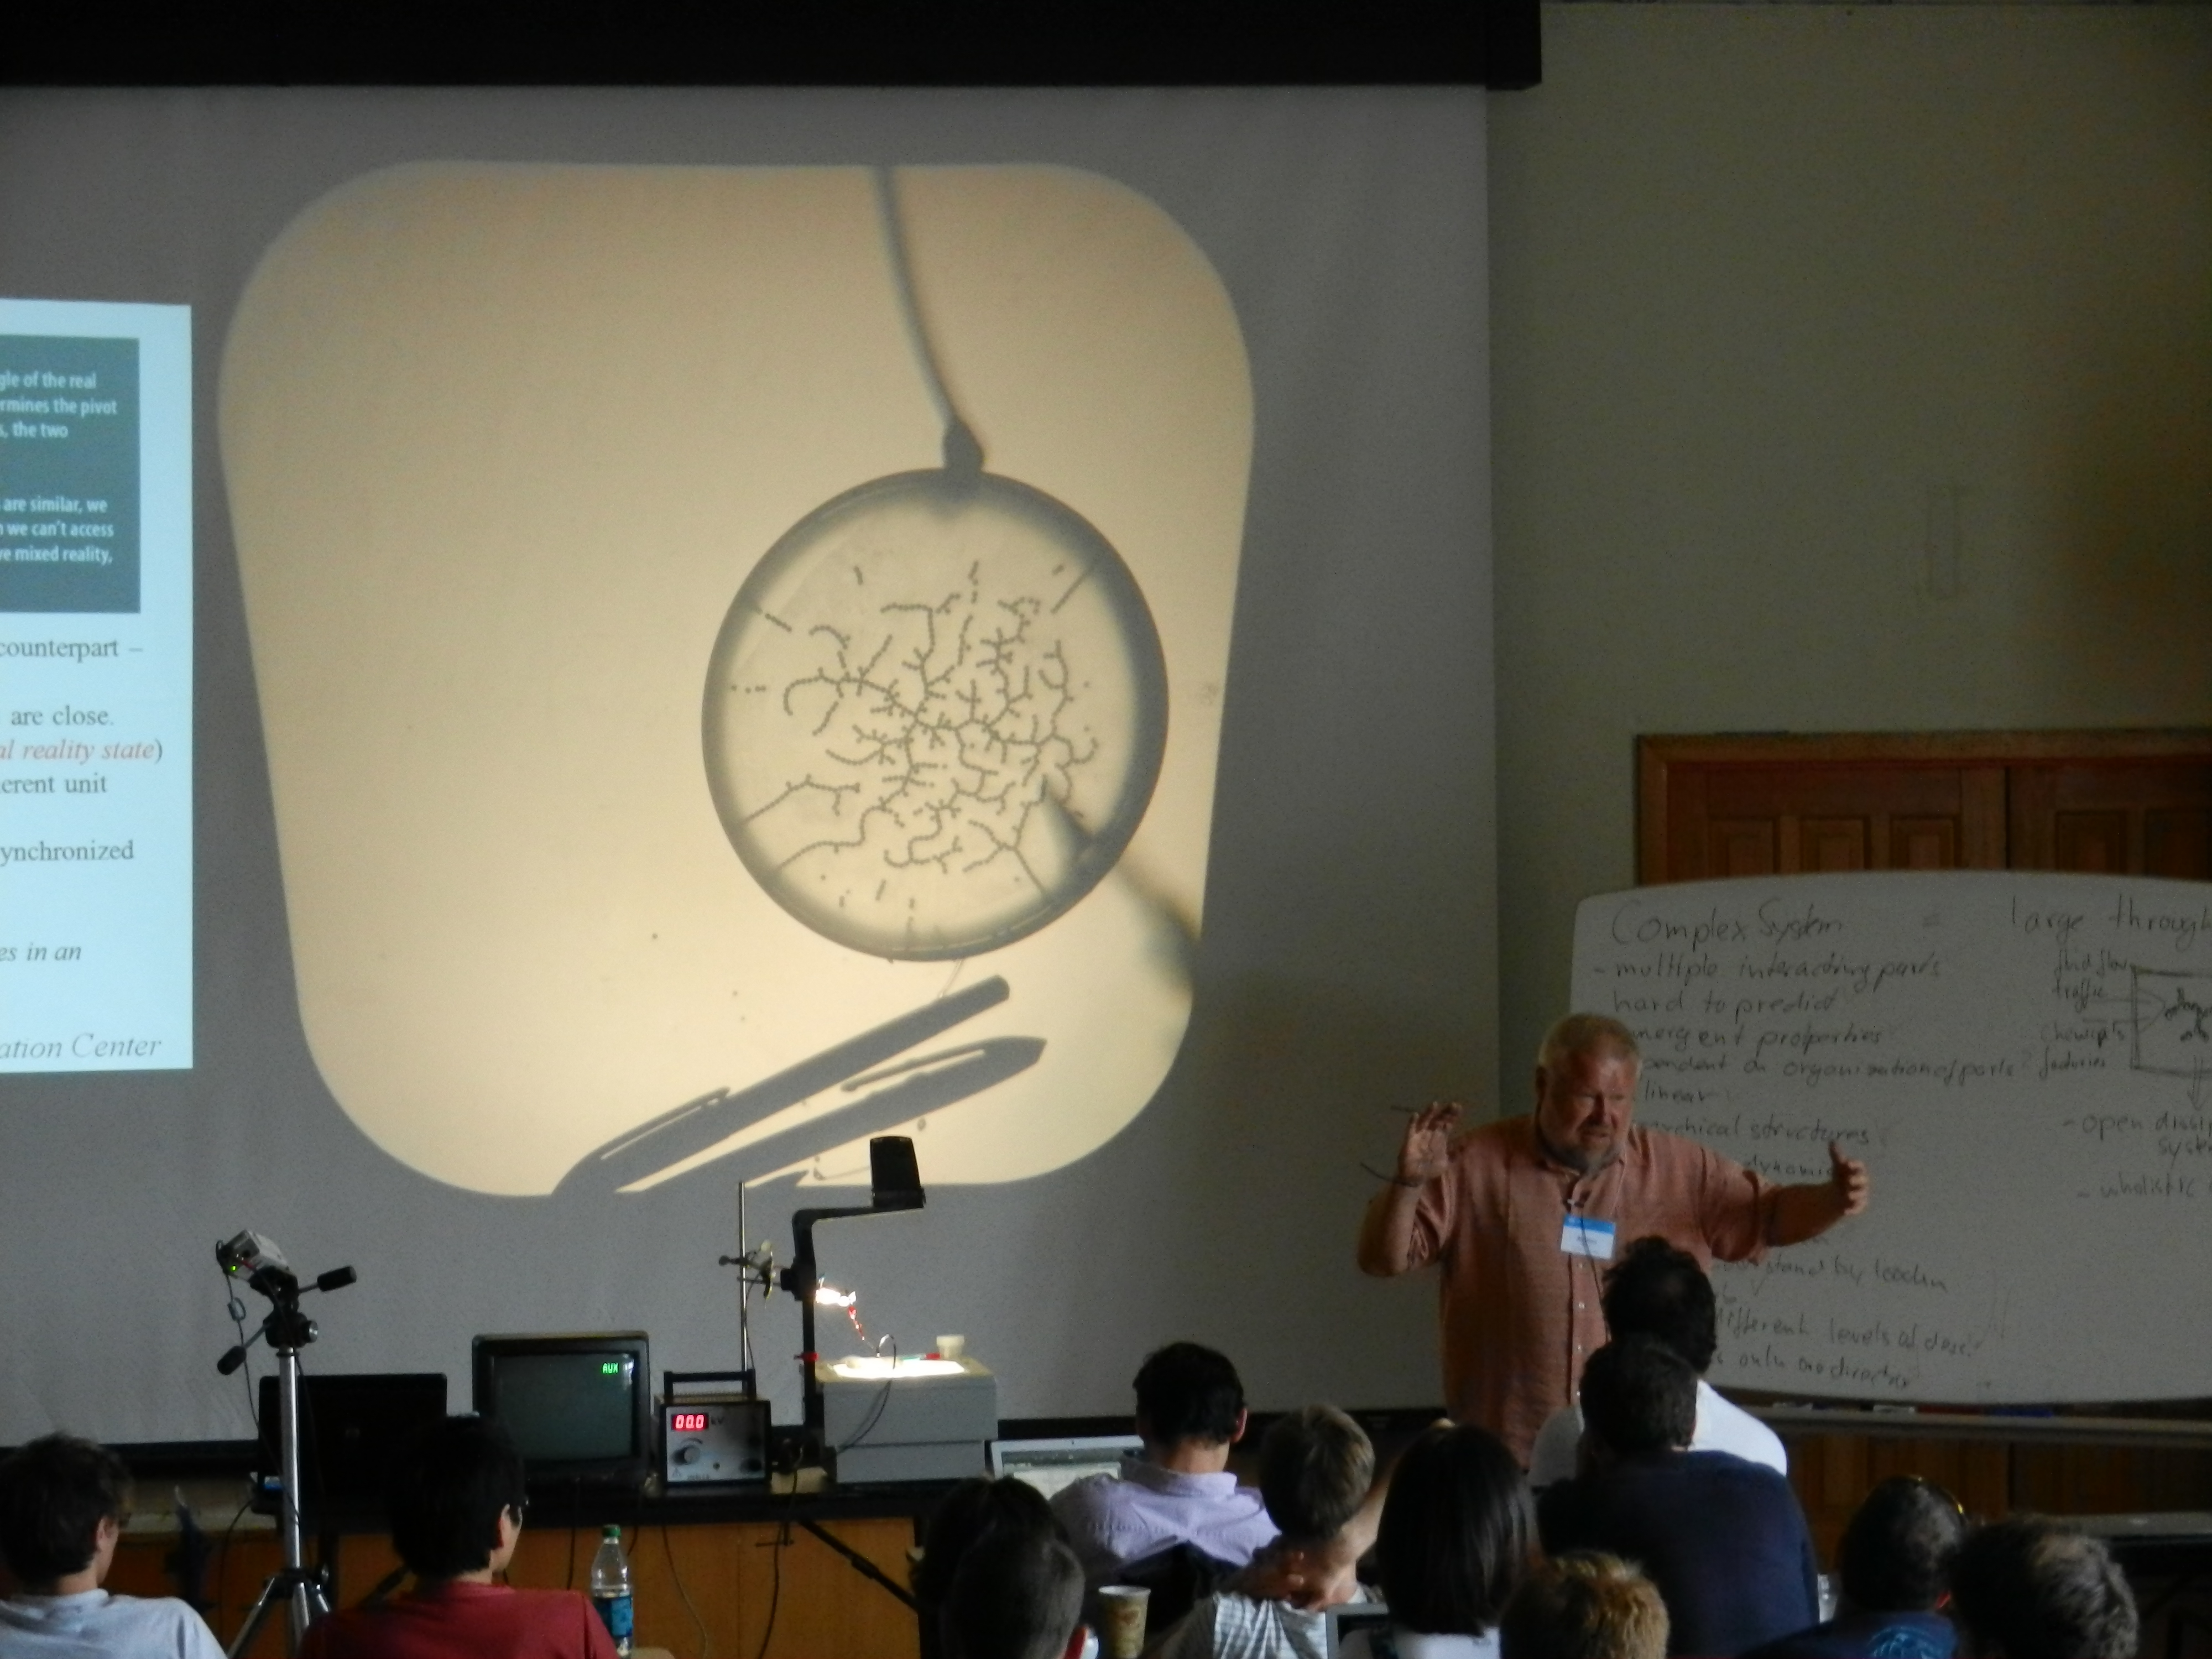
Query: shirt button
(1578, 1307)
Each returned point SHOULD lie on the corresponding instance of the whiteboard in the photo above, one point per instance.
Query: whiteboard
(2020, 1059)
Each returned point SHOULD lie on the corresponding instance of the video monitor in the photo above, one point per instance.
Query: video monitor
(580, 1406)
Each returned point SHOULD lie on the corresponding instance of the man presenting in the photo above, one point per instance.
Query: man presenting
(1523, 1214)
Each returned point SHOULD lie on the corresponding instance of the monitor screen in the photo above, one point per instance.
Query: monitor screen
(579, 1407)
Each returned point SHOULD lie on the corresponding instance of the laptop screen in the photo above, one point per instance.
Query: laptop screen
(1050, 1465)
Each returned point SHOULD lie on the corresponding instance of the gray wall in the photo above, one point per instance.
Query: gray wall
(1766, 280)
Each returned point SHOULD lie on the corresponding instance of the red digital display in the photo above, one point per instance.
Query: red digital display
(687, 1423)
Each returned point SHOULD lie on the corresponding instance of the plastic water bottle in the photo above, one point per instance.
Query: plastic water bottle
(610, 1589)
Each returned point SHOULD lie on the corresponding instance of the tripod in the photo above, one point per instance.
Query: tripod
(288, 1330)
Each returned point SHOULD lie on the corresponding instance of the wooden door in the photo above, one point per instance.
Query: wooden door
(2124, 803)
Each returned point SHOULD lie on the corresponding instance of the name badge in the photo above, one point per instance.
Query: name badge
(1587, 1236)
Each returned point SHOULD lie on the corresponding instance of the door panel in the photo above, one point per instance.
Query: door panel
(2124, 803)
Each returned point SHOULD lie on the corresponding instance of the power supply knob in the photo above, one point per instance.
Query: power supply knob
(688, 1452)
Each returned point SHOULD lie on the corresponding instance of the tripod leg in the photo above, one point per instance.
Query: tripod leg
(256, 1616)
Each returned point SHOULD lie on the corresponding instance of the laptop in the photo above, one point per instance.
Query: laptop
(1348, 1617)
(1050, 1465)
(351, 1427)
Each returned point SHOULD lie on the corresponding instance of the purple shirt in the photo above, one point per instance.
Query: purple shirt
(1113, 1520)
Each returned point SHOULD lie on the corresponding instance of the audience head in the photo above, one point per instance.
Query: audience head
(450, 1491)
(1016, 1594)
(61, 1502)
(1639, 1396)
(1896, 1554)
(1656, 1290)
(1600, 1035)
(1186, 1392)
(1315, 1466)
(1457, 1532)
(977, 1507)
(1585, 1606)
(2029, 1588)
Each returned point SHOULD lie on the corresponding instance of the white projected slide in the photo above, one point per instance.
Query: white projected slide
(96, 687)
(680, 760)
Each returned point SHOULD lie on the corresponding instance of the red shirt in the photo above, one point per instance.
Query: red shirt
(1519, 1314)
(465, 1621)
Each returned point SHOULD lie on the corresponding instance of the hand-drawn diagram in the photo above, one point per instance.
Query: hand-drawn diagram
(2173, 1017)
(935, 714)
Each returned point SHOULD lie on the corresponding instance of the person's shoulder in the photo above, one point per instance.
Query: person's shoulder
(1867, 1636)
(158, 1618)
(1712, 1464)
(1086, 1493)
(1558, 1445)
(1501, 1140)
(1724, 1425)
(1741, 1479)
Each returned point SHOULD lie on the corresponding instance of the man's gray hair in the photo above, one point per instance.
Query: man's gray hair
(1587, 1033)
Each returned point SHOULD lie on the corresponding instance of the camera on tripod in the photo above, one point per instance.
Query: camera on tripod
(257, 1260)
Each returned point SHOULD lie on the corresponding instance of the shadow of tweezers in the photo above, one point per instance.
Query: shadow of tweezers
(934, 1081)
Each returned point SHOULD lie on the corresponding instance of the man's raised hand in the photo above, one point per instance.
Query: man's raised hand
(1853, 1185)
(1425, 1153)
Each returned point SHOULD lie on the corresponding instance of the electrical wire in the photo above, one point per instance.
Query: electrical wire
(237, 1310)
(575, 1498)
(222, 1557)
(705, 1642)
(775, 1580)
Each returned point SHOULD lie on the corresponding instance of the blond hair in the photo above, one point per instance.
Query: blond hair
(1587, 1033)
(1585, 1606)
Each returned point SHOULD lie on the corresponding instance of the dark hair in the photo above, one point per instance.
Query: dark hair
(447, 1491)
(1639, 1396)
(976, 1508)
(1583, 1605)
(1186, 1392)
(1656, 1290)
(1896, 1554)
(1457, 1532)
(1315, 1466)
(1016, 1595)
(2030, 1588)
(54, 1493)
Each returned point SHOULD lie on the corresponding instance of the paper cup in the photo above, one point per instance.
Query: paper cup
(1122, 1610)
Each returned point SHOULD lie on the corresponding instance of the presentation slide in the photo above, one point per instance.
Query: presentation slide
(96, 703)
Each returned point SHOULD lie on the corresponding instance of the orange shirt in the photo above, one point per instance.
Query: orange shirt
(1518, 1315)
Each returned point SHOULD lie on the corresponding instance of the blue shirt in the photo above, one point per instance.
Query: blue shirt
(1722, 1539)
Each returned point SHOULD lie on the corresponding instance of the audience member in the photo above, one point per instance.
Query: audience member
(457, 1500)
(1722, 1538)
(976, 1508)
(1585, 1605)
(1456, 1535)
(2030, 1588)
(61, 1517)
(1315, 1467)
(1895, 1568)
(1178, 1492)
(1016, 1594)
(1656, 1290)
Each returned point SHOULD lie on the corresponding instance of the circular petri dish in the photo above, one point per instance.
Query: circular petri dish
(934, 714)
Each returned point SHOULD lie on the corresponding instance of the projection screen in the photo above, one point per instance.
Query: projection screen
(721, 624)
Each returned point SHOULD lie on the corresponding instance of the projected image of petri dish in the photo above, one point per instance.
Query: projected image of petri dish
(935, 714)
